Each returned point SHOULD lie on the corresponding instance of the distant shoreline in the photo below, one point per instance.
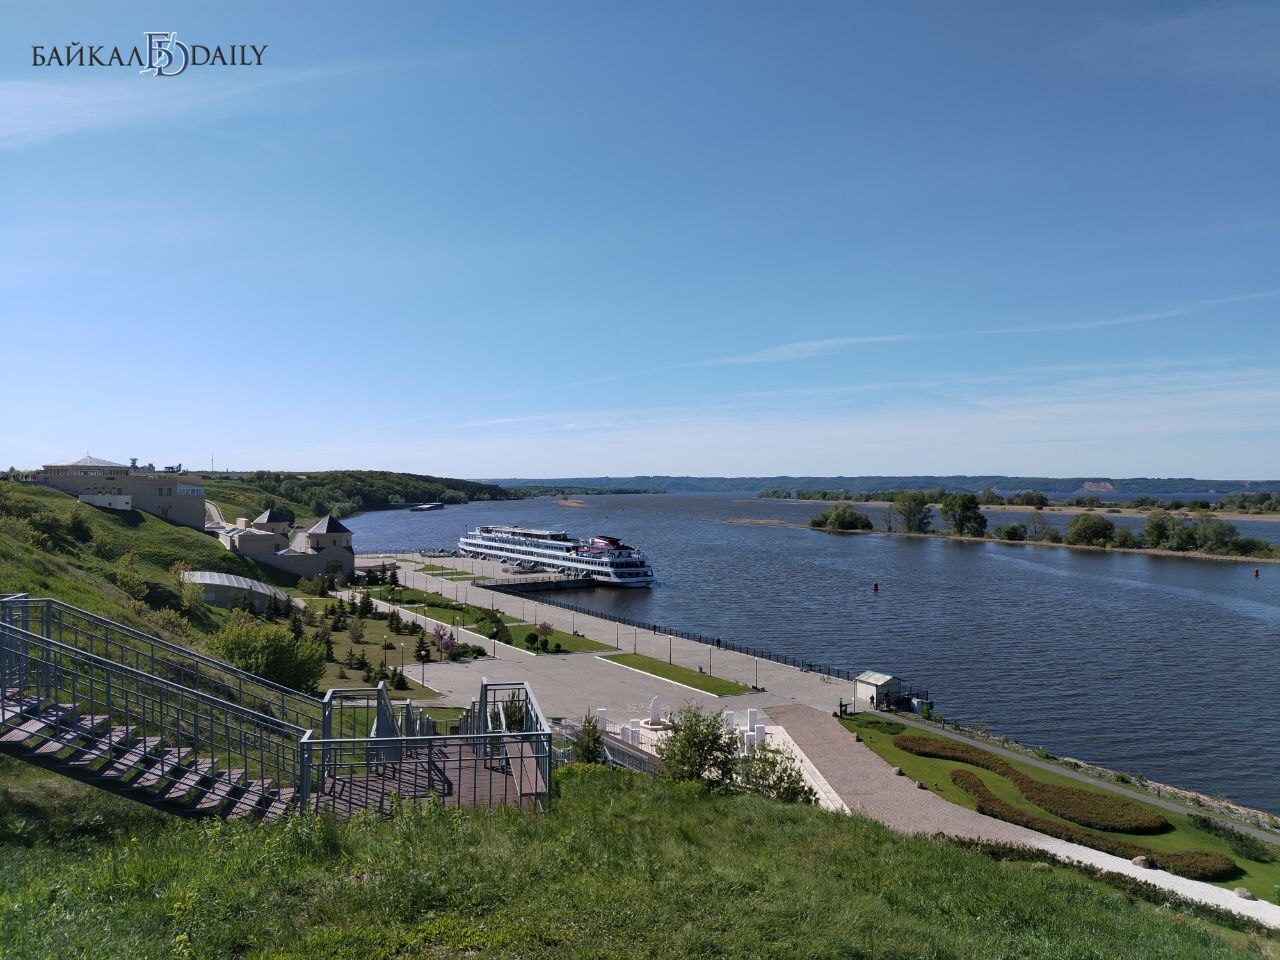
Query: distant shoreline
(1064, 510)
(940, 535)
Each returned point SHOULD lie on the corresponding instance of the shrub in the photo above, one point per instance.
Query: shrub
(1193, 864)
(699, 748)
(1091, 530)
(1011, 531)
(872, 722)
(769, 772)
(270, 651)
(1089, 808)
(1242, 844)
(841, 517)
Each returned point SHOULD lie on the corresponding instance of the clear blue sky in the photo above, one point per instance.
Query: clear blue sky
(708, 238)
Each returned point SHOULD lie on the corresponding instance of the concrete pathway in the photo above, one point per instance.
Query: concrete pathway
(867, 786)
(780, 683)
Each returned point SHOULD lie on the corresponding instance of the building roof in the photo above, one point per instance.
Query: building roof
(328, 525)
(87, 461)
(271, 516)
(878, 679)
(210, 578)
(247, 532)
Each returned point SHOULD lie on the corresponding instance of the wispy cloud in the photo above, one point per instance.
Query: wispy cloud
(809, 349)
(36, 111)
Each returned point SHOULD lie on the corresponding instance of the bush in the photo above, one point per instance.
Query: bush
(841, 517)
(1011, 531)
(769, 772)
(270, 651)
(699, 748)
(1087, 529)
(1193, 864)
(872, 722)
(1089, 808)
(1242, 844)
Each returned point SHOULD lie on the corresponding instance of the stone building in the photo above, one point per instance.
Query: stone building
(323, 548)
(178, 497)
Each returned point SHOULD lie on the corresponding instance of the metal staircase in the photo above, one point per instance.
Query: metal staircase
(154, 722)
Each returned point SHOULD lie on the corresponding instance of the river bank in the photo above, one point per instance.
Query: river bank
(1062, 510)
(942, 535)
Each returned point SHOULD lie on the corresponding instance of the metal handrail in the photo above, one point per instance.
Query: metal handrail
(282, 726)
(167, 645)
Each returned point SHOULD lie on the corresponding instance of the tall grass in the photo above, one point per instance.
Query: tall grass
(622, 866)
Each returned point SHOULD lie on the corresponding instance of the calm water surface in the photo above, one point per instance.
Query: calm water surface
(1165, 666)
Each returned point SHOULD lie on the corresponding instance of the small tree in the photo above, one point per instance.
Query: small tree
(913, 511)
(962, 514)
(325, 636)
(588, 747)
(356, 630)
(422, 649)
(699, 748)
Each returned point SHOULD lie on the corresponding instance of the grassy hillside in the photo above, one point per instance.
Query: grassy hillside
(338, 492)
(113, 562)
(622, 866)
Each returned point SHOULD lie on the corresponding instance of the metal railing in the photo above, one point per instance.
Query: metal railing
(160, 658)
(500, 756)
(111, 702)
(519, 588)
(161, 722)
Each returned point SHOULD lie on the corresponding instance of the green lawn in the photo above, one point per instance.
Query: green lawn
(621, 866)
(569, 643)
(671, 671)
(1261, 878)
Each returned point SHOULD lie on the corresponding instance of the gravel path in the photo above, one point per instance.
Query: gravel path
(868, 786)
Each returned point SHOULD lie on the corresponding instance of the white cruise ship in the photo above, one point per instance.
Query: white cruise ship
(606, 559)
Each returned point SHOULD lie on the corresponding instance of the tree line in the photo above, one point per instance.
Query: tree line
(911, 511)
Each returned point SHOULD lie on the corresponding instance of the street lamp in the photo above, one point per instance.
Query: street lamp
(402, 656)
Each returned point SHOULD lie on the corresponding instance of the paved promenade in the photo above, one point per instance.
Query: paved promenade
(569, 684)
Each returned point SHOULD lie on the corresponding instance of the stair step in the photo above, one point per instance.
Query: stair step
(83, 729)
(256, 795)
(45, 723)
(117, 738)
(219, 791)
(14, 707)
(189, 779)
(136, 756)
(166, 768)
(279, 806)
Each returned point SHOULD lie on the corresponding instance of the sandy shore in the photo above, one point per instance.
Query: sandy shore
(568, 502)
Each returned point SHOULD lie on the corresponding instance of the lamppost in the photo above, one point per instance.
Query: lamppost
(402, 656)
(757, 663)
(669, 648)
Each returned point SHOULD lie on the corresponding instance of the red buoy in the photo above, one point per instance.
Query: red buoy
(875, 586)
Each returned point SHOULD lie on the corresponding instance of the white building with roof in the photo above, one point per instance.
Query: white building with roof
(176, 497)
(225, 589)
(877, 689)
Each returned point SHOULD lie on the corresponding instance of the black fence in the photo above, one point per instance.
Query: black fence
(519, 588)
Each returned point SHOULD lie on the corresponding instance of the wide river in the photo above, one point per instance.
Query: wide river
(1168, 667)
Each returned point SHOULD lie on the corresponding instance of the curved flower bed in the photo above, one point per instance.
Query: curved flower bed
(1089, 808)
(1192, 864)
